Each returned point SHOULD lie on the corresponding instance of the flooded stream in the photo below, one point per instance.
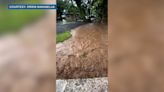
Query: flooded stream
(85, 54)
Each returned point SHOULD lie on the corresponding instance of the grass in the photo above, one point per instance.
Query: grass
(63, 36)
(13, 20)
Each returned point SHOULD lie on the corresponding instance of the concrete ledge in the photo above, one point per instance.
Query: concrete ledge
(82, 85)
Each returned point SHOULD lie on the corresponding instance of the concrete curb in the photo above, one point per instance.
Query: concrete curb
(82, 85)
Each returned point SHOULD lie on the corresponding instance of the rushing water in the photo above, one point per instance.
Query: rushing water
(83, 55)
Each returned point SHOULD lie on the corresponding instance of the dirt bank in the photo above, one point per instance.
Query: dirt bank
(84, 54)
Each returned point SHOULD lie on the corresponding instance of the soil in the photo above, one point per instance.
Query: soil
(84, 55)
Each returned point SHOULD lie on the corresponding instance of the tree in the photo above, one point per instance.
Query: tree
(67, 6)
(86, 8)
(61, 5)
(81, 7)
(97, 8)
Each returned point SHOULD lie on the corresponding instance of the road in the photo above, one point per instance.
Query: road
(68, 26)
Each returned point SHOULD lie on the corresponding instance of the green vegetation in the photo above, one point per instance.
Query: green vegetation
(85, 9)
(63, 36)
(13, 20)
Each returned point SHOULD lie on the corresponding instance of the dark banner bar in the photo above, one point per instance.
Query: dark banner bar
(32, 6)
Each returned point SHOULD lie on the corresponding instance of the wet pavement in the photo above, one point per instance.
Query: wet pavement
(62, 27)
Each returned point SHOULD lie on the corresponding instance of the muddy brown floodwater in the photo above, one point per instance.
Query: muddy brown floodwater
(136, 59)
(27, 58)
(85, 54)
